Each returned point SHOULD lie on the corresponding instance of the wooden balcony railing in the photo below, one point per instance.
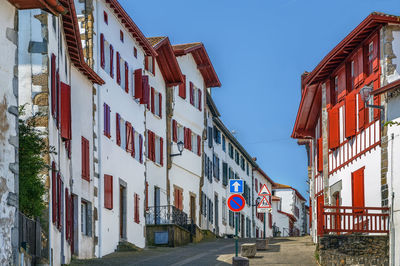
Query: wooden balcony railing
(340, 219)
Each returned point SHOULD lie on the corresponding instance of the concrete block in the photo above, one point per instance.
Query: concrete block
(248, 250)
(262, 244)
(240, 261)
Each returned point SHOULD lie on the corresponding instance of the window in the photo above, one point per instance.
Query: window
(178, 196)
(108, 192)
(123, 133)
(106, 116)
(180, 133)
(194, 143)
(230, 148)
(296, 211)
(242, 163)
(210, 211)
(121, 36)
(85, 159)
(353, 74)
(237, 157)
(149, 64)
(105, 15)
(231, 218)
(231, 174)
(156, 103)
(223, 143)
(217, 135)
(137, 208)
(357, 186)
(65, 111)
(210, 137)
(182, 88)
(195, 96)
(370, 57)
(247, 169)
(224, 173)
(223, 210)
(216, 166)
(155, 148)
(135, 52)
(86, 217)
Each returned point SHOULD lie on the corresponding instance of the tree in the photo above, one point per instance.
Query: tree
(32, 147)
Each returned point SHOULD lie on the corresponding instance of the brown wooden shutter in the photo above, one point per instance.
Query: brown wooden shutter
(191, 93)
(111, 61)
(320, 155)
(133, 143)
(161, 151)
(146, 63)
(58, 93)
(358, 189)
(118, 128)
(333, 116)
(85, 159)
(53, 85)
(190, 138)
(270, 220)
(198, 145)
(200, 107)
(176, 196)
(153, 66)
(108, 192)
(126, 77)
(138, 83)
(147, 196)
(129, 138)
(185, 140)
(146, 90)
(65, 111)
(350, 114)
(118, 68)
(152, 107)
(141, 148)
(182, 88)
(375, 63)
(102, 57)
(59, 200)
(160, 105)
(54, 192)
(174, 131)
(361, 113)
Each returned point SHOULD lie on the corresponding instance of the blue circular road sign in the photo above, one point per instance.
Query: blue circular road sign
(236, 202)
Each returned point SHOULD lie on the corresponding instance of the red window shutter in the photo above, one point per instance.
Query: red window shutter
(146, 63)
(85, 159)
(375, 63)
(180, 199)
(377, 112)
(59, 200)
(333, 116)
(174, 131)
(138, 84)
(108, 192)
(270, 220)
(129, 137)
(147, 196)
(102, 57)
(198, 145)
(182, 88)
(153, 65)
(105, 17)
(361, 113)
(200, 100)
(111, 61)
(141, 148)
(146, 90)
(360, 67)
(133, 143)
(320, 155)
(350, 111)
(126, 77)
(152, 100)
(58, 93)
(118, 130)
(160, 105)
(358, 189)
(153, 148)
(185, 141)
(118, 69)
(53, 85)
(65, 111)
(191, 94)
(161, 151)
(54, 192)
(190, 138)
(256, 185)
(176, 198)
(66, 214)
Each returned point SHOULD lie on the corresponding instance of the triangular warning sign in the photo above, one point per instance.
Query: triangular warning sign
(264, 203)
(264, 191)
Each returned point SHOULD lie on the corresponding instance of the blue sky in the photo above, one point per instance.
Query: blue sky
(259, 49)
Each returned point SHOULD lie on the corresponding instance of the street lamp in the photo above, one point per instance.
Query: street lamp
(365, 94)
(180, 149)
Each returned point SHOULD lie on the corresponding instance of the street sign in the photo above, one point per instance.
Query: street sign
(264, 191)
(235, 186)
(236, 202)
(263, 210)
(264, 204)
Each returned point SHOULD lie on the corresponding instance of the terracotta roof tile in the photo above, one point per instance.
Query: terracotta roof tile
(156, 40)
(185, 45)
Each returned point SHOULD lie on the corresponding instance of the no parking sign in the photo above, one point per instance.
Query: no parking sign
(236, 202)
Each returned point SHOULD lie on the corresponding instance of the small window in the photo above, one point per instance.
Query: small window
(223, 144)
(135, 52)
(86, 218)
(105, 17)
(121, 36)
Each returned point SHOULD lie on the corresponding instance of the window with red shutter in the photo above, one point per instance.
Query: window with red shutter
(126, 77)
(357, 183)
(147, 196)
(106, 118)
(333, 116)
(160, 105)
(111, 61)
(118, 68)
(85, 159)
(320, 155)
(59, 200)
(182, 88)
(137, 220)
(108, 192)
(121, 36)
(129, 137)
(198, 145)
(152, 107)
(54, 192)
(350, 112)
(161, 151)
(65, 111)
(105, 17)
(133, 143)
(200, 107)
(138, 84)
(146, 90)
(53, 85)
(141, 148)
(102, 55)
(191, 93)
(174, 131)
(135, 52)
(118, 128)
(361, 113)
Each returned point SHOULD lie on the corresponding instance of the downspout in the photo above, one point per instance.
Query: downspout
(392, 226)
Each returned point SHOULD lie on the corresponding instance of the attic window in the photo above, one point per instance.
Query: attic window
(135, 52)
(105, 17)
(121, 36)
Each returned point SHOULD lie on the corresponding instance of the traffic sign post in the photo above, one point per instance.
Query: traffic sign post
(236, 203)
(236, 186)
(264, 206)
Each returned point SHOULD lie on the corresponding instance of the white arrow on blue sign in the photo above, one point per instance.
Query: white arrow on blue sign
(235, 186)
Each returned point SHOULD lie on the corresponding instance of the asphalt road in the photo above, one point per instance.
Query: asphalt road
(282, 251)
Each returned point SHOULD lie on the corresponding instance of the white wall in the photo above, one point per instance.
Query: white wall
(280, 220)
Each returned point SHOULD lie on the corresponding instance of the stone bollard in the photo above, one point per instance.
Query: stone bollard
(262, 244)
(248, 250)
(240, 261)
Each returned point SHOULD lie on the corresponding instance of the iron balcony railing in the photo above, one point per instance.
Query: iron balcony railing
(166, 214)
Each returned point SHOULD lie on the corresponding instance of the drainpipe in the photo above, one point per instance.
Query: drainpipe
(392, 227)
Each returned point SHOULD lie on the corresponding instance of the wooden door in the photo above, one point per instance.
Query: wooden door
(121, 211)
(193, 209)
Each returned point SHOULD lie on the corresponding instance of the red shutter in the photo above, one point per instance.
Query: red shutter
(176, 197)
(320, 155)
(270, 219)
(126, 77)
(54, 192)
(53, 85)
(59, 200)
(361, 113)
(147, 196)
(136, 218)
(191, 94)
(85, 159)
(102, 57)
(111, 61)
(118, 69)
(146, 63)
(350, 111)
(65, 111)
(138, 83)
(133, 143)
(66, 214)
(108, 192)
(153, 66)
(182, 88)
(58, 86)
(152, 100)
(145, 90)
(358, 189)
(333, 116)
(256, 185)
(377, 112)
(185, 141)
(190, 138)
(141, 148)
(174, 131)
(360, 67)
(161, 151)
(375, 63)
(198, 145)
(160, 105)
(200, 107)
(129, 138)
(118, 126)
(153, 147)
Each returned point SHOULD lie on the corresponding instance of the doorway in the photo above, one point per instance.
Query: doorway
(216, 215)
(193, 208)
(122, 211)
(156, 205)
(242, 226)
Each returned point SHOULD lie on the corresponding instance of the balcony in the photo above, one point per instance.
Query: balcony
(166, 214)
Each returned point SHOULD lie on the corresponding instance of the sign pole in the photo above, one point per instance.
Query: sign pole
(265, 217)
(236, 235)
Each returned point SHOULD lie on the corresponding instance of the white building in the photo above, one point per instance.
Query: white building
(292, 203)
(56, 84)
(281, 220)
(9, 241)
(187, 124)
(261, 179)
